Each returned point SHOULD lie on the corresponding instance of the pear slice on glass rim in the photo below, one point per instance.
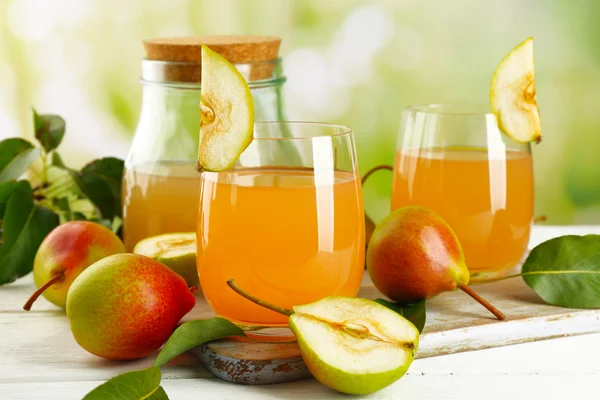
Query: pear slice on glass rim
(175, 250)
(513, 95)
(227, 113)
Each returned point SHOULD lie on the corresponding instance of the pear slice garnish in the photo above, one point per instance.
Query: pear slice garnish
(227, 113)
(513, 95)
(176, 250)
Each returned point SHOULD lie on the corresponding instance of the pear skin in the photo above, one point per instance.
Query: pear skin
(414, 255)
(68, 250)
(126, 306)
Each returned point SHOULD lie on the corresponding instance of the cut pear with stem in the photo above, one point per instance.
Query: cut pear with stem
(227, 113)
(513, 95)
(352, 345)
(176, 250)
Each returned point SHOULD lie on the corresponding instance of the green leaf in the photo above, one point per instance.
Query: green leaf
(144, 384)
(77, 216)
(100, 181)
(6, 189)
(61, 183)
(565, 271)
(62, 207)
(24, 226)
(415, 313)
(159, 394)
(195, 333)
(16, 155)
(57, 160)
(134, 385)
(49, 130)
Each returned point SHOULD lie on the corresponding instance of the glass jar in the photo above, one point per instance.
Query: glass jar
(160, 184)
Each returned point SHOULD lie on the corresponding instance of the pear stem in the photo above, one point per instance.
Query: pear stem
(55, 279)
(497, 313)
(373, 170)
(231, 283)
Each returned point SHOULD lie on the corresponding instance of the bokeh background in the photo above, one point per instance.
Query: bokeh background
(347, 61)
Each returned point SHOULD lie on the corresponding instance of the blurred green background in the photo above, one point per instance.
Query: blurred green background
(352, 62)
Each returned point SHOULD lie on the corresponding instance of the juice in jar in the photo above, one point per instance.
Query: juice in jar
(288, 236)
(486, 197)
(159, 198)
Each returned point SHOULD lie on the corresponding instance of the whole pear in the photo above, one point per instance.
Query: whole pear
(126, 306)
(65, 253)
(414, 254)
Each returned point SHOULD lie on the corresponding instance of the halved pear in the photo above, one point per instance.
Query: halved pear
(513, 96)
(354, 345)
(176, 250)
(227, 113)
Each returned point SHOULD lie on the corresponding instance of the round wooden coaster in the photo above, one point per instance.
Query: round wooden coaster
(253, 363)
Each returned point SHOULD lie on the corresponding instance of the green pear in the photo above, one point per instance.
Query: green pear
(175, 250)
(352, 345)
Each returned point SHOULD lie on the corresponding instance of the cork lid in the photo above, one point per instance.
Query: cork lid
(239, 49)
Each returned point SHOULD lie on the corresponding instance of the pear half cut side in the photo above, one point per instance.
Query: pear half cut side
(353, 345)
(176, 250)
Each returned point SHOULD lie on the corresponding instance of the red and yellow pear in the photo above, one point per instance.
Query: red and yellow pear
(414, 255)
(68, 250)
(126, 306)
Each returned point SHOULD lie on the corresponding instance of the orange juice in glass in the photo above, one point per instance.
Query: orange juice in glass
(286, 223)
(455, 161)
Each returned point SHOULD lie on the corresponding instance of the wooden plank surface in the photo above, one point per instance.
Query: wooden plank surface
(410, 387)
(40, 360)
(455, 323)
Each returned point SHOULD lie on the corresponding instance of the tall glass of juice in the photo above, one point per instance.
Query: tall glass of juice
(286, 223)
(455, 161)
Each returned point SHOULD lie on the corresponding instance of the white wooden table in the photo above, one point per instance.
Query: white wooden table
(40, 360)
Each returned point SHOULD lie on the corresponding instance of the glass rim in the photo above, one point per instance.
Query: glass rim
(337, 130)
(464, 109)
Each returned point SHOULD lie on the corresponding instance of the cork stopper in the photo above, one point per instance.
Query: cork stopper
(237, 49)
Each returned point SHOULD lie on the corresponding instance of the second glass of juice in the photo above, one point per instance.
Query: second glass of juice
(455, 161)
(286, 223)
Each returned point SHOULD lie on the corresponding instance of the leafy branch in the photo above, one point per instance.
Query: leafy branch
(32, 205)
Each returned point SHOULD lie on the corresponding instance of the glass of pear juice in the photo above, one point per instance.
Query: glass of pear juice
(286, 222)
(455, 160)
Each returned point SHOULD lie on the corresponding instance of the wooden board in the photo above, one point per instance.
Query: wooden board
(455, 323)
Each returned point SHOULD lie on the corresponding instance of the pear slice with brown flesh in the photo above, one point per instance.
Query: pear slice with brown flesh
(513, 95)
